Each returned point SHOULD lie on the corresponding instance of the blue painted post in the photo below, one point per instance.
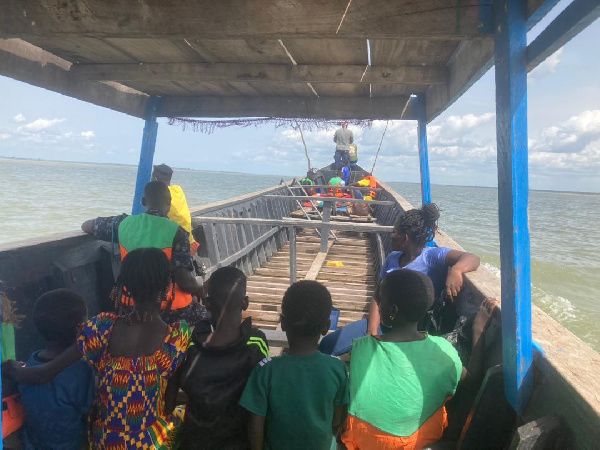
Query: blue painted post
(1, 440)
(423, 150)
(146, 154)
(510, 30)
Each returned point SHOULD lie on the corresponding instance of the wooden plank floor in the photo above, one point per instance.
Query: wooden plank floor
(351, 286)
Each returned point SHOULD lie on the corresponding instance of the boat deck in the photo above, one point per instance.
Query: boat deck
(351, 286)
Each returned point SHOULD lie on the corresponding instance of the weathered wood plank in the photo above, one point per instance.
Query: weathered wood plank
(382, 108)
(360, 227)
(261, 73)
(180, 19)
(25, 62)
(329, 199)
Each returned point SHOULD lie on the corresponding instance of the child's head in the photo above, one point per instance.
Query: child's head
(405, 297)
(57, 314)
(146, 277)
(226, 292)
(305, 309)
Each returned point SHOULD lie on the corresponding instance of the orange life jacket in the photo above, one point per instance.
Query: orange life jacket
(146, 230)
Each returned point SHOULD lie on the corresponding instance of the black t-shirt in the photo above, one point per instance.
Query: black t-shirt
(214, 379)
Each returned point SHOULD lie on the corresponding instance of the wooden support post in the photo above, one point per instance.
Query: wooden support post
(423, 150)
(326, 219)
(211, 241)
(144, 171)
(510, 29)
(292, 233)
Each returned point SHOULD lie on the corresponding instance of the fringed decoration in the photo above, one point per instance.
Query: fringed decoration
(209, 126)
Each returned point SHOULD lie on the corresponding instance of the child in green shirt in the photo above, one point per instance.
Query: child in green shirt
(298, 400)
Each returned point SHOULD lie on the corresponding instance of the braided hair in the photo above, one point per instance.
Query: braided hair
(306, 307)
(145, 278)
(420, 224)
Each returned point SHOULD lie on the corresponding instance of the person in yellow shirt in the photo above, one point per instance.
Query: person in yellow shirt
(179, 211)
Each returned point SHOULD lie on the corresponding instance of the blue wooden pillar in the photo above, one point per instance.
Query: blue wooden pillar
(146, 154)
(423, 149)
(1, 357)
(510, 30)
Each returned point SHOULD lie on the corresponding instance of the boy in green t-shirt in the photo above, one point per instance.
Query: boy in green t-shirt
(298, 400)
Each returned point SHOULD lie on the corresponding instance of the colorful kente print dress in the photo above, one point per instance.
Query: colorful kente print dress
(128, 411)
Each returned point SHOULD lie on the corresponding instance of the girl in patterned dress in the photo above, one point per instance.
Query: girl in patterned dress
(134, 357)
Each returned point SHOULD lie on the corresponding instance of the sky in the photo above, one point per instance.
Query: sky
(563, 130)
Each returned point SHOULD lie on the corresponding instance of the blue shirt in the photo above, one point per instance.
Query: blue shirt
(56, 413)
(345, 174)
(431, 262)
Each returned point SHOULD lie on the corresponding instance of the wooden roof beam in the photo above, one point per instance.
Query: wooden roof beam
(382, 108)
(278, 19)
(226, 72)
(472, 59)
(25, 62)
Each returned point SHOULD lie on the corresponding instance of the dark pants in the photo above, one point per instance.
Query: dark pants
(341, 158)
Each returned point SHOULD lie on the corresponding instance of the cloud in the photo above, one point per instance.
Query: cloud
(42, 124)
(469, 121)
(571, 136)
(549, 65)
(4, 136)
(19, 118)
(88, 134)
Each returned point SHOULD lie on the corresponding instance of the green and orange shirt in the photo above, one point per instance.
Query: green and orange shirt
(107, 229)
(398, 392)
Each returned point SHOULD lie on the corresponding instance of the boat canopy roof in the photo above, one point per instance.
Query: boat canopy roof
(335, 59)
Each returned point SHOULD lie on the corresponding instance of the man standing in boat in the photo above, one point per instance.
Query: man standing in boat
(179, 211)
(343, 137)
(154, 229)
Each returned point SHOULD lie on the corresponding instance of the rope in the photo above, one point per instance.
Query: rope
(304, 143)
(381, 142)
(209, 126)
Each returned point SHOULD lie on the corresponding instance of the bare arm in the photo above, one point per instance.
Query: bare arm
(43, 373)
(339, 416)
(171, 392)
(461, 263)
(374, 318)
(86, 226)
(186, 280)
(474, 373)
(256, 431)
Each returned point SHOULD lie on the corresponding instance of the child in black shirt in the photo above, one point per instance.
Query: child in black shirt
(218, 365)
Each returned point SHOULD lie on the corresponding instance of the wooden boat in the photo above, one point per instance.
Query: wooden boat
(220, 59)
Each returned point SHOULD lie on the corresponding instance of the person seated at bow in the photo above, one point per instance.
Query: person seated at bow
(179, 212)
(154, 229)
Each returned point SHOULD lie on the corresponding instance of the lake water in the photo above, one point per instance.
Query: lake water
(39, 198)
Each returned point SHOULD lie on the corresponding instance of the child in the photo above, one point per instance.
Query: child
(56, 413)
(218, 366)
(134, 356)
(400, 381)
(298, 400)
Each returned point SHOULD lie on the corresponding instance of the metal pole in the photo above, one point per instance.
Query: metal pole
(146, 154)
(510, 29)
(423, 149)
(292, 237)
(326, 218)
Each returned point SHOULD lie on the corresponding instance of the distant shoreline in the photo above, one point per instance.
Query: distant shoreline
(187, 169)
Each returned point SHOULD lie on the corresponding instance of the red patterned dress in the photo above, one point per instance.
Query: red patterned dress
(128, 411)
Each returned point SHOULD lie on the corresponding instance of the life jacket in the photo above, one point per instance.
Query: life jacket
(308, 182)
(353, 153)
(147, 230)
(372, 184)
